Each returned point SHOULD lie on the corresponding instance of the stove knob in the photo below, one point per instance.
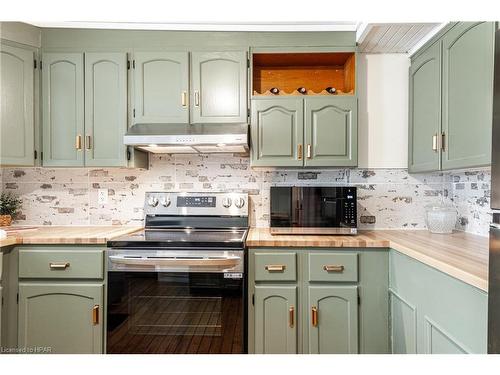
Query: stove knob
(239, 202)
(227, 202)
(153, 201)
(165, 202)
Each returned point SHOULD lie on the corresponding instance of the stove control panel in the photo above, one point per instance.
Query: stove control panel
(186, 204)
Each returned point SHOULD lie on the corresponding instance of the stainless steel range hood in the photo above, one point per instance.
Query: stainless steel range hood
(188, 139)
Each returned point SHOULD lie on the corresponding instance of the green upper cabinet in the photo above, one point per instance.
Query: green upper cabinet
(425, 111)
(105, 108)
(468, 52)
(67, 318)
(161, 82)
(275, 319)
(219, 87)
(331, 132)
(16, 112)
(451, 99)
(277, 132)
(333, 319)
(63, 109)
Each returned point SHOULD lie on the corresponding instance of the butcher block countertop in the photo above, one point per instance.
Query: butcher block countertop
(70, 235)
(461, 255)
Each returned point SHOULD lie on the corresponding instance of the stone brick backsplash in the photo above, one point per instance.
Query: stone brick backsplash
(388, 198)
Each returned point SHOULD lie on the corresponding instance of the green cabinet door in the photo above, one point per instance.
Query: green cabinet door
(331, 132)
(425, 111)
(403, 325)
(105, 109)
(277, 129)
(61, 317)
(219, 87)
(275, 319)
(333, 319)
(161, 82)
(468, 52)
(16, 111)
(63, 109)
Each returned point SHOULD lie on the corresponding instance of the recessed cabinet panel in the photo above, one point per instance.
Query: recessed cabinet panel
(468, 51)
(64, 318)
(16, 112)
(425, 111)
(439, 342)
(275, 319)
(277, 132)
(403, 326)
(219, 87)
(331, 131)
(105, 108)
(63, 112)
(333, 319)
(161, 87)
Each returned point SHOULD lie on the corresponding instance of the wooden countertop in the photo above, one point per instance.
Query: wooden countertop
(82, 235)
(461, 255)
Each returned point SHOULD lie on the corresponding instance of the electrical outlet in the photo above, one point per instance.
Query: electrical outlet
(102, 196)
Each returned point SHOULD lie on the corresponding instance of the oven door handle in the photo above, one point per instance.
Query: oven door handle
(219, 262)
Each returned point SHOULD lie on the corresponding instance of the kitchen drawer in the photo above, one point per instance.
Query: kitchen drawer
(275, 266)
(61, 264)
(333, 267)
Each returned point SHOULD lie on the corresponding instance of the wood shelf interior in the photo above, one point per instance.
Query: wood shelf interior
(314, 71)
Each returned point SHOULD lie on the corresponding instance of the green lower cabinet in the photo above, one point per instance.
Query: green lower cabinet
(434, 313)
(275, 319)
(333, 319)
(62, 317)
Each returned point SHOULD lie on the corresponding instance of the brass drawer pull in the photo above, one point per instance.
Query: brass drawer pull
(443, 141)
(314, 316)
(88, 144)
(291, 318)
(435, 143)
(184, 98)
(333, 268)
(95, 315)
(299, 151)
(59, 266)
(78, 142)
(309, 151)
(275, 267)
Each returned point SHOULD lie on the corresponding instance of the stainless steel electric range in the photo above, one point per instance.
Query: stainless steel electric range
(179, 285)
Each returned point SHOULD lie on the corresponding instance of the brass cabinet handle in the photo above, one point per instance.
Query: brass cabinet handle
(59, 266)
(299, 151)
(291, 318)
(95, 315)
(184, 98)
(309, 151)
(443, 139)
(314, 316)
(275, 267)
(87, 142)
(435, 143)
(333, 268)
(78, 142)
(196, 98)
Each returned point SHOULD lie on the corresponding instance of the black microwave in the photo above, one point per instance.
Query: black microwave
(313, 210)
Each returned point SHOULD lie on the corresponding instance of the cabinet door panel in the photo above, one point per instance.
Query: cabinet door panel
(331, 130)
(60, 317)
(425, 111)
(468, 52)
(161, 81)
(277, 132)
(274, 332)
(16, 112)
(219, 87)
(403, 325)
(336, 331)
(63, 112)
(105, 108)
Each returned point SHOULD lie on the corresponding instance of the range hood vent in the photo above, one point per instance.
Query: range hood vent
(188, 139)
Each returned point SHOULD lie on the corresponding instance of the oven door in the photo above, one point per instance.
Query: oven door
(175, 301)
